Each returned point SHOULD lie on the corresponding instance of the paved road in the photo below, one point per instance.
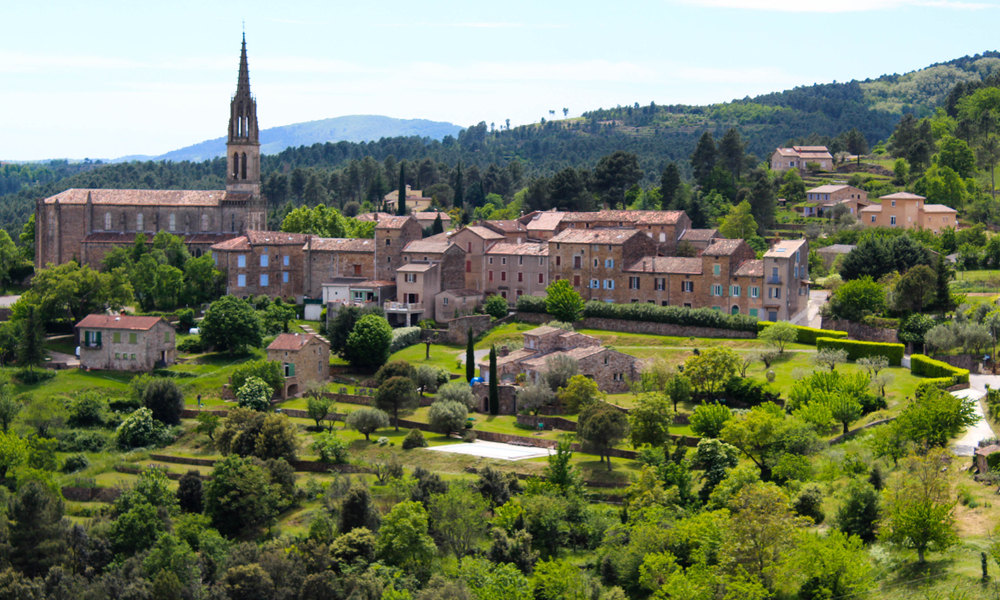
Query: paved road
(817, 298)
(967, 444)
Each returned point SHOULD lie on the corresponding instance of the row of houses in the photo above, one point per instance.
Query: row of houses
(902, 209)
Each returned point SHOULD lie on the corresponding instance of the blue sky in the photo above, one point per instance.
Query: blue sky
(107, 79)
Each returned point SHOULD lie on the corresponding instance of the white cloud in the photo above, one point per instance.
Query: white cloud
(837, 6)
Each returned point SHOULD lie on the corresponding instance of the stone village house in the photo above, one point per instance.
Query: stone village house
(126, 343)
(304, 358)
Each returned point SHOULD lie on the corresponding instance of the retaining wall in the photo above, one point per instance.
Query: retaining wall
(860, 331)
(91, 494)
(645, 327)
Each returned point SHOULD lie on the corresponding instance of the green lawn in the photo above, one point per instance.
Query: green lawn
(442, 355)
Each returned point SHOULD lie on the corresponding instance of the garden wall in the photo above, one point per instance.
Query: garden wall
(91, 494)
(860, 331)
(549, 422)
(458, 329)
(962, 361)
(645, 327)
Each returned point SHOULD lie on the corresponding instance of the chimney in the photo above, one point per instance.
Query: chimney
(504, 351)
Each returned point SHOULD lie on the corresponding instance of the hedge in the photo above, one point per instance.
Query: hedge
(403, 338)
(671, 315)
(531, 304)
(806, 335)
(925, 366)
(856, 349)
(941, 383)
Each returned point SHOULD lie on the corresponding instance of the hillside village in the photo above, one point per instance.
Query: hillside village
(771, 379)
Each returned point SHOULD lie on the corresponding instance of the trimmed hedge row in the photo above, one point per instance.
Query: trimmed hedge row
(671, 315)
(941, 383)
(926, 366)
(807, 335)
(856, 349)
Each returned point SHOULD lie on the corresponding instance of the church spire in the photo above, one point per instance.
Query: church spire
(243, 84)
(243, 147)
(243, 109)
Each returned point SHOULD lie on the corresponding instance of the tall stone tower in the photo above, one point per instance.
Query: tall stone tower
(243, 148)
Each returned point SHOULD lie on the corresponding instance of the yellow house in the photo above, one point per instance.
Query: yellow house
(415, 201)
(908, 211)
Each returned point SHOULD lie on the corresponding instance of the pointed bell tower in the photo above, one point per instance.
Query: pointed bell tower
(243, 147)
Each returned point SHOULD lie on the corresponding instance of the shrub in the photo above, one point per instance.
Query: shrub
(330, 448)
(191, 345)
(806, 335)
(447, 416)
(185, 319)
(269, 371)
(83, 440)
(165, 399)
(926, 385)
(74, 463)
(29, 376)
(87, 409)
(856, 349)
(879, 322)
(809, 503)
(414, 439)
(404, 337)
(141, 429)
(674, 315)
(255, 394)
(925, 366)
(531, 304)
(747, 393)
(496, 306)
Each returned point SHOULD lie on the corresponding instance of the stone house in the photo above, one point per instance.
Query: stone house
(664, 227)
(416, 286)
(263, 262)
(513, 270)
(126, 343)
(330, 259)
(415, 201)
(392, 234)
(514, 230)
(452, 304)
(720, 263)
(610, 369)
(665, 281)
(786, 273)
(830, 253)
(908, 211)
(304, 358)
(745, 289)
(821, 200)
(450, 255)
(475, 240)
(699, 239)
(542, 226)
(797, 157)
(592, 260)
(426, 218)
(85, 224)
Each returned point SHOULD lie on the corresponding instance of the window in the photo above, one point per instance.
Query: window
(774, 272)
(892, 220)
(520, 277)
(133, 338)
(520, 260)
(609, 284)
(166, 336)
(894, 203)
(576, 281)
(633, 283)
(716, 289)
(107, 221)
(596, 263)
(664, 303)
(503, 260)
(117, 337)
(717, 308)
(286, 260)
(609, 263)
(687, 286)
(753, 312)
(716, 270)
(558, 260)
(873, 218)
(264, 258)
(577, 262)
(491, 275)
(172, 222)
(138, 222)
(241, 281)
(289, 369)
(755, 292)
(204, 222)
(410, 278)
(660, 283)
(388, 242)
(776, 293)
(468, 267)
(734, 291)
(541, 278)
(594, 284)
(663, 237)
(468, 247)
(263, 280)
(445, 301)
(241, 261)
(284, 276)
(490, 260)
(133, 357)
(541, 261)
(503, 275)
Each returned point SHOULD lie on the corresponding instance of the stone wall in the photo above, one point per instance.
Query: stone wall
(91, 494)
(859, 331)
(962, 361)
(507, 393)
(624, 326)
(458, 329)
(549, 422)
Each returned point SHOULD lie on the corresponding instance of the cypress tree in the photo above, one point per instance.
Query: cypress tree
(670, 180)
(30, 350)
(401, 204)
(459, 199)
(470, 358)
(438, 226)
(494, 386)
(943, 296)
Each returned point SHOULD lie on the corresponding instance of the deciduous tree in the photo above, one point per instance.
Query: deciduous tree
(232, 325)
(563, 302)
(918, 506)
(602, 427)
(368, 344)
(397, 395)
(367, 421)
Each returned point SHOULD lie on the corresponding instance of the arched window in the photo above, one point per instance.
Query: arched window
(172, 222)
(204, 222)
(236, 165)
(138, 222)
(244, 169)
(107, 221)
(736, 310)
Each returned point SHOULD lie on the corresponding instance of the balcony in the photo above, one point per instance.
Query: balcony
(404, 307)
(775, 280)
(90, 345)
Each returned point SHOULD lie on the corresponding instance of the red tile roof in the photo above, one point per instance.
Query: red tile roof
(526, 249)
(644, 217)
(393, 222)
(118, 322)
(431, 215)
(507, 226)
(341, 245)
(427, 245)
(484, 233)
(699, 235)
(464, 293)
(146, 197)
(276, 238)
(595, 236)
(750, 268)
(293, 342)
(903, 196)
(239, 243)
(723, 247)
(667, 264)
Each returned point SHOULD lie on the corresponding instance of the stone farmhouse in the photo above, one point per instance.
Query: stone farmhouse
(610, 369)
(304, 358)
(126, 343)
(84, 224)
(797, 157)
(908, 211)
(821, 200)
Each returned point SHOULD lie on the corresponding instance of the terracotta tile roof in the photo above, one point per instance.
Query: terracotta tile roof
(293, 342)
(544, 330)
(667, 264)
(643, 217)
(836, 249)
(372, 216)
(545, 221)
(723, 247)
(431, 215)
(874, 208)
(986, 451)
(483, 232)
(750, 268)
(276, 238)
(420, 267)
(576, 353)
(699, 235)
(146, 197)
(341, 245)
(595, 236)
(810, 148)
(466, 293)
(827, 189)
(507, 226)
(784, 248)
(428, 246)
(514, 356)
(526, 249)
(239, 243)
(118, 322)
(939, 208)
(368, 283)
(392, 222)
(787, 152)
(903, 196)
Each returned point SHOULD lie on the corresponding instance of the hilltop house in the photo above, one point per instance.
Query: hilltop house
(126, 343)
(797, 157)
(908, 211)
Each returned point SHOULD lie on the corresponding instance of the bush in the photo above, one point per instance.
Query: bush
(330, 448)
(83, 440)
(74, 463)
(255, 394)
(673, 315)
(747, 393)
(806, 335)
(809, 503)
(191, 345)
(880, 322)
(446, 416)
(268, 370)
(165, 399)
(141, 429)
(531, 304)
(29, 376)
(925, 366)
(926, 385)
(856, 349)
(404, 337)
(87, 409)
(414, 439)
(185, 319)
(496, 306)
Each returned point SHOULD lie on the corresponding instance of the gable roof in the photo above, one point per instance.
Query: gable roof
(276, 238)
(595, 236)
(750, 268)
(721, 247)
(238, 243)
(483, 232)
(394, 222)
(373, 216)
(145, 197)
(507, 226)
(938, 208)
(545, 221)
(417, 267)
(827, 189)
(341, 245)
(699, 235)
(526, 249)
(667, 264)
(462, 293)
(903, 196)
(128, 322)
(645, 217)
(293, 342)
(431, 215)
(429, 246)
(784, 248)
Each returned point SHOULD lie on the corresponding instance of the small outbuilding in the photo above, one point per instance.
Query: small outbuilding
(304, 358)
(985, 456)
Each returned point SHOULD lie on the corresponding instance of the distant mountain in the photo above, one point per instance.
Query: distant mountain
(353, 128)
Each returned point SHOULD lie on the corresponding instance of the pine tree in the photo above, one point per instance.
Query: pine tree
(401, 204)
(494, 387)
(732, 150)
(703, 158)
(30, 350)
(696, 213)
(470, 358)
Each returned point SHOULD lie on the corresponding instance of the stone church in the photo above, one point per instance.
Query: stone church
(84, 224)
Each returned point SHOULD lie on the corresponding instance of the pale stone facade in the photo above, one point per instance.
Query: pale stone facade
(797, 157)
(821, 200)
(786, 279)
(513, 270)
(126, 343)
(304, 358)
